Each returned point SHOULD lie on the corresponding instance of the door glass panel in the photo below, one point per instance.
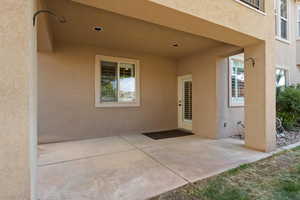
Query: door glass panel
(187, 107)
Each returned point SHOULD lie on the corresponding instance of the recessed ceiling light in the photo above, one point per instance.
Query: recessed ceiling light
(98, 28)
(175, 44)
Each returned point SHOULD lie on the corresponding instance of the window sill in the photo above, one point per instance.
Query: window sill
(248, 6)
(116, 105)
(283, 40)
(241, 106)
(236, 105)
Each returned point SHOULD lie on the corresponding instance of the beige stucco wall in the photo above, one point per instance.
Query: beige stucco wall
(209, 107)
(66, 96)
(208, 89)
(222, 20)
(202, 67)
(260, 112)
(285, 58)
(228, 116)
(44, 30)
(229, 13)
(230, 22)
(17, 100)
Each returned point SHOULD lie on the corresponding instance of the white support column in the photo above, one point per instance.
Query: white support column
(260, 97)
(17, 100)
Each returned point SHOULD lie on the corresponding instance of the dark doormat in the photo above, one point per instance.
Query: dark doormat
(167, 134)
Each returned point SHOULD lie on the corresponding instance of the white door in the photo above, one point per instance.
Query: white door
(185, 105)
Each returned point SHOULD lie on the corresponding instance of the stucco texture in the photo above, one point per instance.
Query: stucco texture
(17, 104)
(218, 20)
(66, 96)
(229, 22)
(207, 108)
(228, 116)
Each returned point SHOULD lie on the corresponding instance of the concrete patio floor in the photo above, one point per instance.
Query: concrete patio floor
(133, 167)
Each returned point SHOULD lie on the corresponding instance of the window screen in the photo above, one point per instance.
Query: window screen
(109, 82)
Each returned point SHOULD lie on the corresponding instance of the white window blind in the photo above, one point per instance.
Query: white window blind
(281, 77)
(236, 80)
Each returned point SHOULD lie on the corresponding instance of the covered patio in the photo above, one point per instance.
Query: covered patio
(52, 82)
(91, 142)
(109, 73)
(133, 167)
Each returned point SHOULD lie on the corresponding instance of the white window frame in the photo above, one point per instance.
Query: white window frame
(287, 73)
(252, 8)
(118, 60)
(232, 103)
(278, 16)
(298, 21)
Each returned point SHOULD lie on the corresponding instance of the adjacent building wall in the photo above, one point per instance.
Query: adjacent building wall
(286, 59)
(66, 96)
(294, 75)
(286, 56)
(298, 53)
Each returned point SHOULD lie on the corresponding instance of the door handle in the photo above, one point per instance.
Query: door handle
(179, 104)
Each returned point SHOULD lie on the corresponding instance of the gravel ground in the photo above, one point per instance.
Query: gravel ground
(288, 137)
(283, 139)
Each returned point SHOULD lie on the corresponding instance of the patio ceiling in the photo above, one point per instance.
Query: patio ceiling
(120, 32)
